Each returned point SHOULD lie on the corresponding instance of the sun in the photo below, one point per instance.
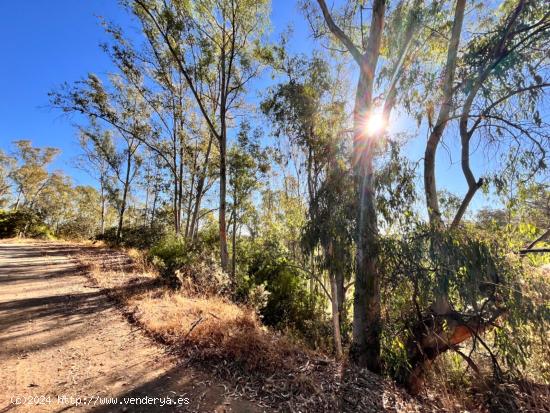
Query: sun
(375, 124)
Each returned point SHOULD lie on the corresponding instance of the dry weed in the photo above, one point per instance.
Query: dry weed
(214, 328)
(263, 365)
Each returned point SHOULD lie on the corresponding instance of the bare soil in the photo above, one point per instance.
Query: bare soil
(61, 336)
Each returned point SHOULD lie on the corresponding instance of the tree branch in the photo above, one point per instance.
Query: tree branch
(336, 31)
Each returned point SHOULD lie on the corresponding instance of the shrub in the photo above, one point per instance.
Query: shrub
(187, 265)
(169, 254)
(25, 223)
(290, 305)
(138, 236)
(203, 277)
(75, 230)
(258, 297)
(484, 282)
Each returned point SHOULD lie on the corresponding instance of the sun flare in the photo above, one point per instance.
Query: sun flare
(375, 124)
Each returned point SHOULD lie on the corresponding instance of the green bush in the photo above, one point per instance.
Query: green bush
(289, 303)
(188, 265)
(75, 230)
(26, 223)
(138, 236)
(169, 254)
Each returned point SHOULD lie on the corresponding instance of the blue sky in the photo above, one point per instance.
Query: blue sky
(49, 42)
(46, 43)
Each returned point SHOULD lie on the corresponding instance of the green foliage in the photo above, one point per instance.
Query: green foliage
(482, 280)
(25, 223)
(290, 305)
(189, 265)
(395, 188)
(136, 236)
(170, 253)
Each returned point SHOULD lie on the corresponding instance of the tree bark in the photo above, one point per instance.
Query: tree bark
(340, 295)
(180, 187)
(224, 257)
(17, 202)
(124, 196)
(365, 349)
(154, 207)
(200, 189)
(188, 218)
(103, 209)
(234, 239)
(336, 317)
(367, 326)
(430, 188)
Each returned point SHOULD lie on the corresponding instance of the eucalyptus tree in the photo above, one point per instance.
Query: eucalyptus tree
(121, 109)
(98, 148)
(369, 120)
(503, 78)
(308, 109)
(295, 108)
(248, 163)
(490, 78)
(490, 84)
(153, 181)
(6, 165)
(84, 214)
(30, 175)
(154, 76)
(333, 227)
(55, 202)
(493, 83)
(215, 45)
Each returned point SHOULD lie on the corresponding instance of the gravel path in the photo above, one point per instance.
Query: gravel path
(63, 342)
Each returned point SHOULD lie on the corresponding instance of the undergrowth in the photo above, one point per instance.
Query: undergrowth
(201, 323)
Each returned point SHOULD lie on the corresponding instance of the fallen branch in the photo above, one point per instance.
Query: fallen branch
(534, 251)
(195, 323)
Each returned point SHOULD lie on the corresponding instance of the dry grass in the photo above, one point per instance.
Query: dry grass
(208, 328)
(261, 364)
(213, 328)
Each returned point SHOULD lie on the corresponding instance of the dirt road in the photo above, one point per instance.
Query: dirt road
(63, 342)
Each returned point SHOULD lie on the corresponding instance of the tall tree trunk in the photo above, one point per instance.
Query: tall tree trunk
(430, 188)
(190, 203)
(225, 72)
(147, 179)
(336, 318)
(18, 201)
(224, 258)
(335, 300)
(367, 326)
(365, 350)
(234, 239)
(103, 209)
(154, 207)
(312, 276)
(180, 187)
(441, 304)
(200, 189)
(340, 295)
(175, 205)
(124, 196)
